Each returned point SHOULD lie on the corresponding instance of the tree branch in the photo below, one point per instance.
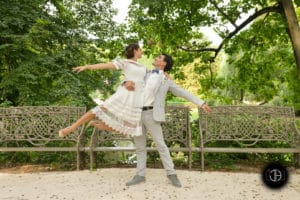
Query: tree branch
(275, 8)
(220, 11)
(197, 50)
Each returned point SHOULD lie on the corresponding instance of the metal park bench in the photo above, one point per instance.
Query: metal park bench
(249, 126)
(176, 131)
(28, 129)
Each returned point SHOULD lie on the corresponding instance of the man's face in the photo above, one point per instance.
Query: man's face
(159, 62)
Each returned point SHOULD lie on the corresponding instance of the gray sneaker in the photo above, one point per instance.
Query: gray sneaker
(175, 181)
(136, 180)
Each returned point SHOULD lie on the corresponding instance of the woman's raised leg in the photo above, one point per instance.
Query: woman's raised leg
(100, 125)
(85, 118)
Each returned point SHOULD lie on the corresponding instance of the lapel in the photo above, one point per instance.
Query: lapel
(148, 73)
(161, 82)
(162, 90)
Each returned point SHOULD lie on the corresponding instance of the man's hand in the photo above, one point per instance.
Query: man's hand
(129, 85)
(206, 108)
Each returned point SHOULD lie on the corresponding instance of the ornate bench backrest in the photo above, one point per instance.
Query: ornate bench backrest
(249, 124)
(37, 125)
(175, 129)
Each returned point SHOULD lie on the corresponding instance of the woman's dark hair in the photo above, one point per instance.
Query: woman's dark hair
(168, 59)
(129, 50)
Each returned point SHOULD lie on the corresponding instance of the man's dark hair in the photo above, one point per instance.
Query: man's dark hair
(168, 59)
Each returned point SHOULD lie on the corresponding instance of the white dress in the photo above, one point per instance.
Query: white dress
(122, 111)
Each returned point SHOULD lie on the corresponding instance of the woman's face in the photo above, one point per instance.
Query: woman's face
(138, 53)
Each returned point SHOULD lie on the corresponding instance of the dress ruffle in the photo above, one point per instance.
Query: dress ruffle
(116, 123)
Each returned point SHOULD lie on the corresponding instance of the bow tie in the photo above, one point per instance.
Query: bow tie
(155, 71)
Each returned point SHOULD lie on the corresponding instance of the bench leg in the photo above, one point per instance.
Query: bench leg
(202, 153)
(202, 160)
(80, 160)
(80, 154)
(201, 148)
(190, 159)
(93, 155)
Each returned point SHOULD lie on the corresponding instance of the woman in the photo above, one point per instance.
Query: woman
(122, 111)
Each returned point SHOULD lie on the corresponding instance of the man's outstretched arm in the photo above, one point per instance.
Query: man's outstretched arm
(180, 92)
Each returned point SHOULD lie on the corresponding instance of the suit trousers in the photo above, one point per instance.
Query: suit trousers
(155, 130)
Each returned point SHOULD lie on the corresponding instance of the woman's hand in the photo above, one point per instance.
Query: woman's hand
(79, 69)
(167, 75)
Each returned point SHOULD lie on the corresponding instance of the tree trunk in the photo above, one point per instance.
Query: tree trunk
(242, 92)
(293, 29)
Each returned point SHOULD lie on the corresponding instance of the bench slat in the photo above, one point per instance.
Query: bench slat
(133, 149)
(40, 149)
(251, 150)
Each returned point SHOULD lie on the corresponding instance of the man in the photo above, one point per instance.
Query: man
(156, 88)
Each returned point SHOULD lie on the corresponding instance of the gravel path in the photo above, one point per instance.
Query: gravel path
(109, 183)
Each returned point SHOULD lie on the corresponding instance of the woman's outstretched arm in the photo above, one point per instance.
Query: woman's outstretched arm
(94, 67)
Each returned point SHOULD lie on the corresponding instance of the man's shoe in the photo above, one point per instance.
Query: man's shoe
(175, 181)
(136, 180)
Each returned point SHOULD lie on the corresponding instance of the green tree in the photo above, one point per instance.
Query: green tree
(261, 54)
(41, 41)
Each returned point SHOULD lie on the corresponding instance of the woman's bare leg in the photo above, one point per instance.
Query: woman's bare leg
(100, 125)
(83, 119)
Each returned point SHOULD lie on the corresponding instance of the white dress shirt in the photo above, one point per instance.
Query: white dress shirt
(151, 87)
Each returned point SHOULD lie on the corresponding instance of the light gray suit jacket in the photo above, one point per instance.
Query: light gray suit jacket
(166, 85)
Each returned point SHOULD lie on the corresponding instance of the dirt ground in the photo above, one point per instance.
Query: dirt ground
(33, 182)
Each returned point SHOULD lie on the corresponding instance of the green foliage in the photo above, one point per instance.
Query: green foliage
(61, 160)
(257, 65)
(41, 41)
(298, 123)
(260, 61)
